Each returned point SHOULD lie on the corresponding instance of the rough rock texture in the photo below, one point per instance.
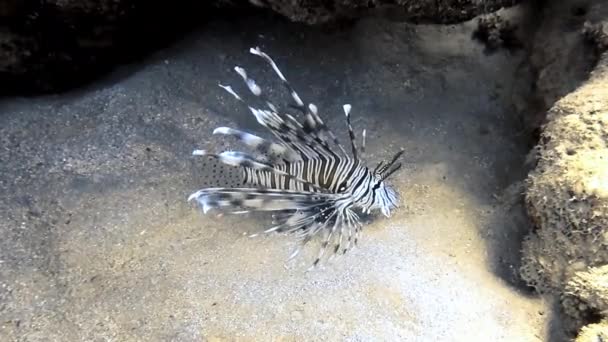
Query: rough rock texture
(43, 41)
(431, 11)
(567, 194)
(560, 54)
(597, 332)
(496, 32)
(587, 292)
(597, 34)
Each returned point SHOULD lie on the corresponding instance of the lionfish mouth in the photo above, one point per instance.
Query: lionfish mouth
(304, 177)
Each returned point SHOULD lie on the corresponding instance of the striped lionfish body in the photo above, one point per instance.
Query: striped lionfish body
(304, 176)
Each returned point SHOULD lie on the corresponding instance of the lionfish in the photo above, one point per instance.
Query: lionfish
(310, 187)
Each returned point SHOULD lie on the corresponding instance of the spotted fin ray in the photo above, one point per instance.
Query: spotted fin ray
(313, 123)
(307, 138)
(265, 147)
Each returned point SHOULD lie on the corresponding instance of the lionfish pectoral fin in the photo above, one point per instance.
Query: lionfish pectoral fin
(333, 224)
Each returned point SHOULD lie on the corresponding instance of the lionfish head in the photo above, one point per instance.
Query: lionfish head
(386, 198)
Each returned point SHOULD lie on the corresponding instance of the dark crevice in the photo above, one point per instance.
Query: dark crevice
(51, 46)
(65, 50)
